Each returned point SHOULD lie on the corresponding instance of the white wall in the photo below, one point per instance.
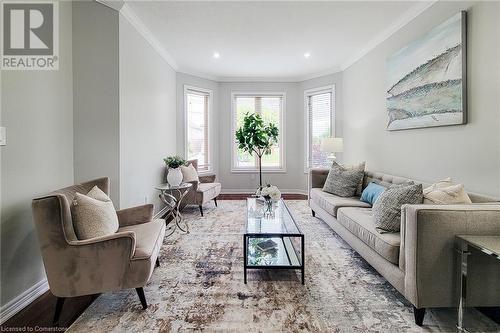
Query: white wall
(96, 94)
(147, 117)
(37, 109)
(469, 153)
(190, 80)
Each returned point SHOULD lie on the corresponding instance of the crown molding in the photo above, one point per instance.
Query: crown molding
(141, 28)
(406, 18)
(113, 4)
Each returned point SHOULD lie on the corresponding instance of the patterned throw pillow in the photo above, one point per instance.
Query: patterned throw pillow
(387, 209)
(344, 180)
(93, 215)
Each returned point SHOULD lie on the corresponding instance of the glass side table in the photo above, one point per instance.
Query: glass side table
(489, 245)
(167, 195)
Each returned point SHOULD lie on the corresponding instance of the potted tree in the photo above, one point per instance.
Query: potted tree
(256, 137)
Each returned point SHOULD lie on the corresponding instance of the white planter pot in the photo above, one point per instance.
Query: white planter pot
(174, 177)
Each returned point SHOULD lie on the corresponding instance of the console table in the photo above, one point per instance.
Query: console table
(488, 245)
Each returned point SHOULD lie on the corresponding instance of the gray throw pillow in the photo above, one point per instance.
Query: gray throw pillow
(93, 215)
(344, 180)
(387, 209)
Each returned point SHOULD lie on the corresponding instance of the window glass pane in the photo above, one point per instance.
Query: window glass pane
(269, 107)
(244, 105)
(197, 129)
(270, 113)
(320, 121)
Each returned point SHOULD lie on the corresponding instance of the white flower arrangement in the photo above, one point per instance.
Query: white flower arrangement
(269, 192)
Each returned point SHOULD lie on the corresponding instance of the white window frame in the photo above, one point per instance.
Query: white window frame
(191, 89)
(308, 93)
(281, 136)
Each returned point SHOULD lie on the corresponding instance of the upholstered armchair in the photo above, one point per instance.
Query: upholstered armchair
(201, 193)
(119, 261)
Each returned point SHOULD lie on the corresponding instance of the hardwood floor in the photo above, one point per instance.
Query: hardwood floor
(38, 316)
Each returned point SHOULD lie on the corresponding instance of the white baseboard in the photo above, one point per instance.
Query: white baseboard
(251, 191)
(23, 300)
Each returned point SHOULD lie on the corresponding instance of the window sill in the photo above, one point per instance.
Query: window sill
(256, 171)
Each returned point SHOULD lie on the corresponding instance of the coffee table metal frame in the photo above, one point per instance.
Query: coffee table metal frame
(282, 235)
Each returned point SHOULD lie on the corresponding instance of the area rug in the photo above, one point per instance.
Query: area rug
(199, 287)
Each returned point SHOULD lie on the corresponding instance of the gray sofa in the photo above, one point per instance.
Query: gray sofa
(420, 261)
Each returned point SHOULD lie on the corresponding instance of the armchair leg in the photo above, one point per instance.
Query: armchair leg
(313, 213)
(142, 297)
(57, 313)
(157, 262)
(419, 315)
(201, 210)
(215, 201)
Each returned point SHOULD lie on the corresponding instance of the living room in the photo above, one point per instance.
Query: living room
(232, 166)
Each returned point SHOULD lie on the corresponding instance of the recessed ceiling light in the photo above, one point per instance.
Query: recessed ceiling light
(216, 55)
(307, 55)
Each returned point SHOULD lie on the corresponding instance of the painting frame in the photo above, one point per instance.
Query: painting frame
(463, 118)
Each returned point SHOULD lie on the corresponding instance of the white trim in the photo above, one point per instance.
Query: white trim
(307, 94)
(402, 21)
(210, 144)
(23, 300)
(252, 191)
(281, 134)
(127, 12)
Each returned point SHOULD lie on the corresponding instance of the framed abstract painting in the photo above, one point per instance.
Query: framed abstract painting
(426, 80)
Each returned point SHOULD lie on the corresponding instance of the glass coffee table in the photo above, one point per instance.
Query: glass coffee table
(272, 240)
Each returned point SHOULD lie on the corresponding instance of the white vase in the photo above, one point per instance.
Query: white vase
(174, 177)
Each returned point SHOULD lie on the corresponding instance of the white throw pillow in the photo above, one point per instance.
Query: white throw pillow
(93, 215)
(189, 173)
(445, 192)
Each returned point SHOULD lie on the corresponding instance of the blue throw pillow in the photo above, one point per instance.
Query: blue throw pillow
(371, 193)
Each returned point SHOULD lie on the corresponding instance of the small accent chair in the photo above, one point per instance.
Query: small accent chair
(119, 261)
(201, 193)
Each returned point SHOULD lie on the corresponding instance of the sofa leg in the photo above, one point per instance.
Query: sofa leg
(215, 201)
(419, 315)
(142, 297)
(57, 314)
(157, 262)
(313, 213)
(201, 210)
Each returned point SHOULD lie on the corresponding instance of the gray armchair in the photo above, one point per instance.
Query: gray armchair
(201, 193)
(119, 261)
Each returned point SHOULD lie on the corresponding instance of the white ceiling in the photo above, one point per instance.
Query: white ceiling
(267, 40)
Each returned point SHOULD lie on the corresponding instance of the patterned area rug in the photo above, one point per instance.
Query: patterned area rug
(199, 287)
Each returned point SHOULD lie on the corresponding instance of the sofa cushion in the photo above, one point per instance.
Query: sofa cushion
(206, 192)
(331, 202)
(147, 235)
(359, 221)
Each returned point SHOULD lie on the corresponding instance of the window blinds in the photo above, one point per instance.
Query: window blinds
(320, 112)
(197, 127)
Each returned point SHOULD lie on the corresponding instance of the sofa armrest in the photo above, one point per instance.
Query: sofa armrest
(428, 236)
(207, 178)
(123, 241)
(318, 177)
(135, 215)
